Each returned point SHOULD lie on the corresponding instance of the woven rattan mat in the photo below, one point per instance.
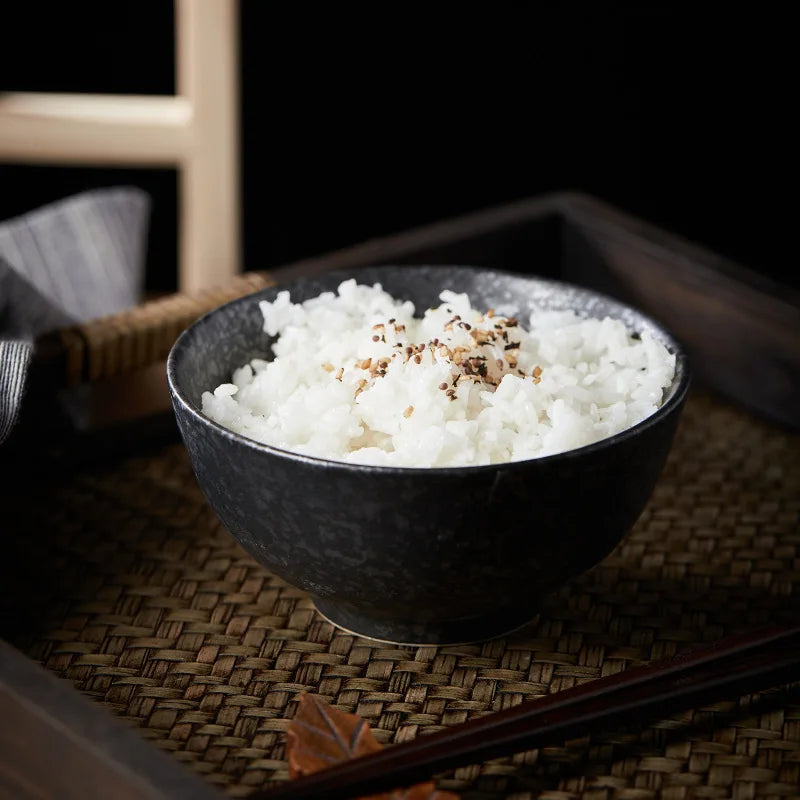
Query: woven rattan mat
(127, 586)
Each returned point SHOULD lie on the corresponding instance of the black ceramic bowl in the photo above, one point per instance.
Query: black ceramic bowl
(419, 555)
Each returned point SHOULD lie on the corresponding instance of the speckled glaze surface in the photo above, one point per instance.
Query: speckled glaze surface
(419, 555)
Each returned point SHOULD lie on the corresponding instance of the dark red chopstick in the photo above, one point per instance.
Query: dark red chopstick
(733, 666)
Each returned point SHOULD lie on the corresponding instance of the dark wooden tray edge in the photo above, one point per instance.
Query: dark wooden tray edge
(89, 753)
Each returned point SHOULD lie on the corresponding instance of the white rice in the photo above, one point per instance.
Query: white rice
(356, 377)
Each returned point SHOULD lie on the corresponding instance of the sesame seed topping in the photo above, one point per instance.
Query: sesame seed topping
(480, 358)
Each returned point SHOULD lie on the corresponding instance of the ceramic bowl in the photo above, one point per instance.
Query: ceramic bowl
(416, 555)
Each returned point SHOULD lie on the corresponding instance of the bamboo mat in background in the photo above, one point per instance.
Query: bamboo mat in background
(125, 584)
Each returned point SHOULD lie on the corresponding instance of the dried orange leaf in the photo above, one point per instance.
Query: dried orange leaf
(320, 736)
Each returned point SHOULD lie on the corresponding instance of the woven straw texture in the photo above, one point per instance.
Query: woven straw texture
(137, 337)
(128, 587)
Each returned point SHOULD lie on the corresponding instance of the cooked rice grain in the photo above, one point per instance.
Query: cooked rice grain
(356, 377)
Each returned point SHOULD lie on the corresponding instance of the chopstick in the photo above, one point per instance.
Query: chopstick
(731, 667)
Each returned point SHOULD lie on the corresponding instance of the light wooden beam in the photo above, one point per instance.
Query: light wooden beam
(94, 129)
(195, 131)
(207, 75)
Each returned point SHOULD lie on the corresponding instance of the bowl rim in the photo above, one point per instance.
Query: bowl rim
(678, 390)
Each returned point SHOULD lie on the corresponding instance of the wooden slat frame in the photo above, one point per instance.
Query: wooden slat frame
(195, 131)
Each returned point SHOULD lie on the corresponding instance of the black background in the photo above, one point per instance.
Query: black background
(357, 125)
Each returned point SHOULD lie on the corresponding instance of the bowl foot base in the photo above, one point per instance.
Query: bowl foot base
(462, 630)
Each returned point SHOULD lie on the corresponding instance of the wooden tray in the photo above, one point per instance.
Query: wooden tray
(123, 597)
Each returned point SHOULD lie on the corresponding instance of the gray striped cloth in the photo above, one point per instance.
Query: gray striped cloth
(68, 262)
